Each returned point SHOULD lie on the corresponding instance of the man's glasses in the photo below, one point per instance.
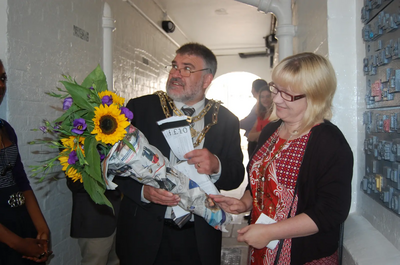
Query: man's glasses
(286, 96)
(185, 71)
(5, 169)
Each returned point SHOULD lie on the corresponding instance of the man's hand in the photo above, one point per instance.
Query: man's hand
(160, 196)
(204, 161)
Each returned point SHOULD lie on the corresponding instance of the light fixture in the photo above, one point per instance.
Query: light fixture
(168, 26)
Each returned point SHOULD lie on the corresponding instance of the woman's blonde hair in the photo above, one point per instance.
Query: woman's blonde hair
(310, 74)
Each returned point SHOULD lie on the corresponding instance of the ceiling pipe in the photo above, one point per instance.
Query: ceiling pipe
(285, 31)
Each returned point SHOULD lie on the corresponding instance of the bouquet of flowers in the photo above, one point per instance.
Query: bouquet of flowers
(95, 142)
(93, 121)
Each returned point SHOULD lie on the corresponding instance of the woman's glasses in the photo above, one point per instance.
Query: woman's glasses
(286, 96)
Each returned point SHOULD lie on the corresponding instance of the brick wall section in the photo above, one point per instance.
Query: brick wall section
(41, 47)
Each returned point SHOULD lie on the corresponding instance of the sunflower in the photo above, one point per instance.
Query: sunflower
(109, 124)
(115, 98)
(71, 172)
(71, 142)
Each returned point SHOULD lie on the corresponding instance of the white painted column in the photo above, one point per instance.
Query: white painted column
(108, 27)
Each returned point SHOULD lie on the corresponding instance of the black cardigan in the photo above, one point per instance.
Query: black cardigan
(324, 189)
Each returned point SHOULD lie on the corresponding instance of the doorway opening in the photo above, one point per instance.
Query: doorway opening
(234, 90)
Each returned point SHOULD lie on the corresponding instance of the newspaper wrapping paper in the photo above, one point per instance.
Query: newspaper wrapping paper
(148, 166)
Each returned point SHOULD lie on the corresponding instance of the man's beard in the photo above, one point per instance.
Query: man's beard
(185, 95)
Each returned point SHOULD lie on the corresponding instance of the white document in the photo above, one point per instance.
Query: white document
(202, 180)
(178, 138)
(264, 219)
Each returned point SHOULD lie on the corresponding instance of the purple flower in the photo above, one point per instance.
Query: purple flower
(101, 156)
(128, 114)
(91, 88)
(79, 126)
(43, 129)
(67, 103)
(72, 158)
(57, 126)
(107, 100)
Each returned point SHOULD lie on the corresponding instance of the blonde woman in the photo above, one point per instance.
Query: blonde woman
(300, 174)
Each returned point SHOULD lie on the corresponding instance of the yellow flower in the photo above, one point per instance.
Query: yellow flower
(109, 124)
(71, 142)
(71, 172)
(116, 99)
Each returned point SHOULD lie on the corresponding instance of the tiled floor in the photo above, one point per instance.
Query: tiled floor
(234, 252)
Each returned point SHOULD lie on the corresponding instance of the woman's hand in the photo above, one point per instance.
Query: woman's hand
(229, 204)
(233, 205)
(255, 235)
(29, 247)
(259, 235)
(44, 246)
(41, 226)
(44, 235)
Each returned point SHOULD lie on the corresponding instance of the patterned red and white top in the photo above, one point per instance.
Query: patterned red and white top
(279, 185)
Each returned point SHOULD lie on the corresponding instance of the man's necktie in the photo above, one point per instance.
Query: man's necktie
(188, 111)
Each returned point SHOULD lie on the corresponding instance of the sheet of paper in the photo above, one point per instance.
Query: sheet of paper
(177, 133)
(179, 212)
(202, 180)
(264, 219)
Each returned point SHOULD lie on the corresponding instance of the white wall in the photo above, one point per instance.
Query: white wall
(333, 28)
(322, 31)
(311, 26)
(39, 45)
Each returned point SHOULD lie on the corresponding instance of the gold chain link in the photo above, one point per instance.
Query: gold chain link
(163, 100)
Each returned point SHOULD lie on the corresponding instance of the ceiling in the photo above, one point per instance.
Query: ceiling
(225, 26)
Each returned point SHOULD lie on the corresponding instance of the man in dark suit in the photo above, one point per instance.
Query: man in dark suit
(146, 233)
(94, 225)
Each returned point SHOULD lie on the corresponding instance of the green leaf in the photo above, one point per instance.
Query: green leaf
(79, 94)
(93, 159)
(129, 144)
(95, 190)
(66, 114)
(97, 79)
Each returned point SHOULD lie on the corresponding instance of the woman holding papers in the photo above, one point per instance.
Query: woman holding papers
(300, 175)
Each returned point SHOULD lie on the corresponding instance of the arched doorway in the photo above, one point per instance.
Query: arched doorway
(234, 90)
